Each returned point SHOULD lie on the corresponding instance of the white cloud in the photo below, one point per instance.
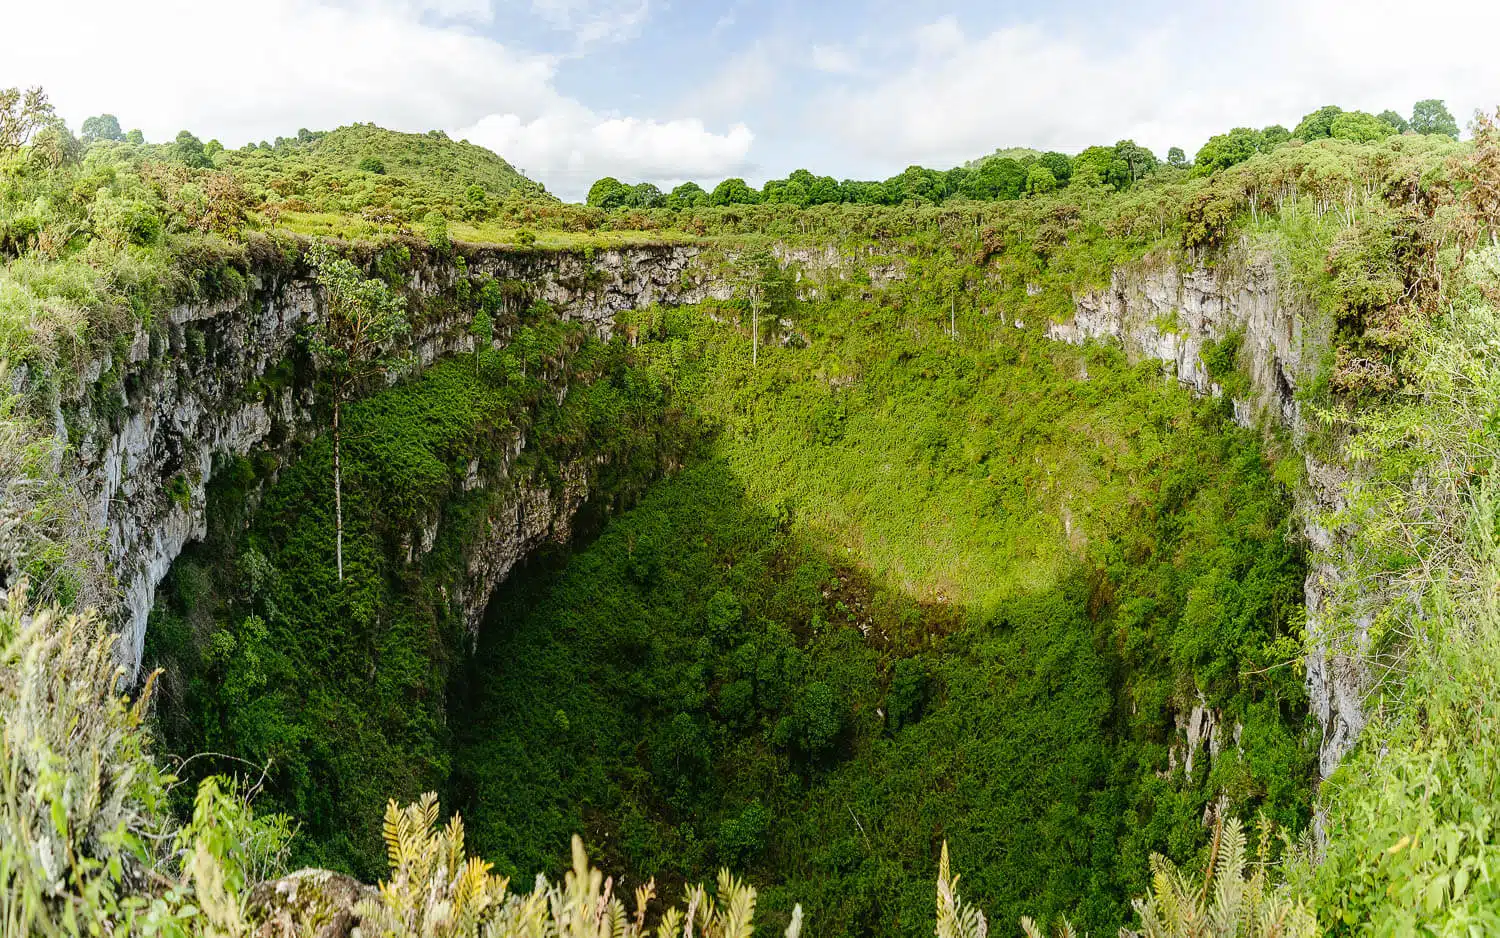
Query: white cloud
(834, 59)
(247, 70)
(593, 21)
(578, 146)
(949, 95)
(746, 79)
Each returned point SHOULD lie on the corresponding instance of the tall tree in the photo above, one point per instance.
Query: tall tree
(1360, 127)
(103, 127)
(22, 114)
(1482, 173)
(1433, 117)
(608, 193)
(1137, 159)
(1273, 136)
(1318, 124)
(189, 149)
(1225, 150)
(734, 191)
(351, 343)
(687, 195)
(1397, 122)
(644, 195)
(768, 288)
(1177, 158)
(1039, 180)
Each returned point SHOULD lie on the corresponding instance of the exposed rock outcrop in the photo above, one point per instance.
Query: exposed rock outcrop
(319, 903)
(205, 382)
(1160, 310)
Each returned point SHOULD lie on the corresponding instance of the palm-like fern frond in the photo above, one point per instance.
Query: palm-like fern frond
(954, 918)
(1233, 900)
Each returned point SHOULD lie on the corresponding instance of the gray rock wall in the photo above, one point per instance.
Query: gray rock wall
(1160, 310)
(210, 381)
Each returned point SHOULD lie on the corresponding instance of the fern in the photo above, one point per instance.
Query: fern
(954, 918)
(1234, 900)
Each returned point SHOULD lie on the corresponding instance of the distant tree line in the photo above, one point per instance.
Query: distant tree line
(1014, 174)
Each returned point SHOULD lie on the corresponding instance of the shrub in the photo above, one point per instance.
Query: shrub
(436, 229)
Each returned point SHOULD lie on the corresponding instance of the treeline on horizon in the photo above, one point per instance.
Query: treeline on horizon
(1016, 173)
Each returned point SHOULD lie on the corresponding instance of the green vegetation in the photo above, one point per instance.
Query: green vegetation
(340, 683)
(921, 588)
(1015, 173)
(914, 576)
(1068, 599)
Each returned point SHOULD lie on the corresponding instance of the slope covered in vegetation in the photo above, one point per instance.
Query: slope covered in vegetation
(924, 576)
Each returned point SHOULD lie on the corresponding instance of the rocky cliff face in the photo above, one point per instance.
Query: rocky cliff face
(205, 382)
(151, 422)
(1160, 310)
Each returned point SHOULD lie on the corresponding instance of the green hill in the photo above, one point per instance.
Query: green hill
(422, 159)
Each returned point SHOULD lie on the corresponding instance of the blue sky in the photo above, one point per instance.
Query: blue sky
(669, 89)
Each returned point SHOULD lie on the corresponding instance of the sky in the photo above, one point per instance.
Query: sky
(668, 90)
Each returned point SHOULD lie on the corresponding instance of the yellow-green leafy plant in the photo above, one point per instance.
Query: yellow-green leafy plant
(81, 803)
(1234, 899)
(955, 918)
(87, 845)
(437, 891)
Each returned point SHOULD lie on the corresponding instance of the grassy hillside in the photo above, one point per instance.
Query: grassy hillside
(430, 158)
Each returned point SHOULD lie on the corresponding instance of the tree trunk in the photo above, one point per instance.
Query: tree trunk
(338, 492)
(754, 333)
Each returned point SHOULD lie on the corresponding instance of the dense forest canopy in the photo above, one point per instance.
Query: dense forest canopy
(870, 568)
(1019, 172)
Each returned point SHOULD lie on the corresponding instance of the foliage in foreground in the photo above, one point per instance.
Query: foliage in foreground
(85, 847)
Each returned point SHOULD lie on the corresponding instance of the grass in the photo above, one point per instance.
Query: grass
(349, 227)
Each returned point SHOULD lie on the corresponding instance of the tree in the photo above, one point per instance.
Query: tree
(372, 164)
(608, 193)
(189, 150)
(767, 288)
(1318, 124)
(103, 127)
(1099, 163)
(1176, 158)
(1397, 122)
(687, 195)
(1360, 127)
(643, 195)
(822, 190)
(22, 114)
(1060, 165)
(1039, 180)
(351, 343)
(1482, 173)
(996, 178)
(733, 191)
(1433, 117)
(54, 146)
(1225, 150)
(1137, 159)
(435, 227)
(1273, 137)
(921, 184)
(136, 137)
(483, 331)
